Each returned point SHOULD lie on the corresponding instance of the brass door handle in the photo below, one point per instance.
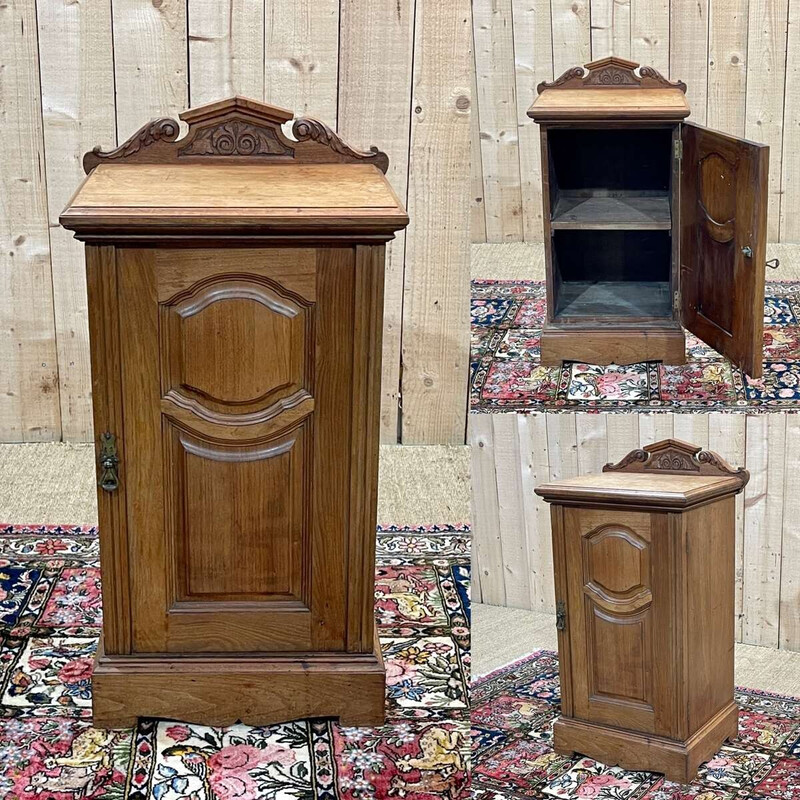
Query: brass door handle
(109, 463)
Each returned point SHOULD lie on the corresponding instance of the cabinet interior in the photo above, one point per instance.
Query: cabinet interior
(611, 221)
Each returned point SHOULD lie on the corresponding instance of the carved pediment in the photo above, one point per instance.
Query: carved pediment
(678, 458)
(235, 130)
(235, 138)
(611, 72)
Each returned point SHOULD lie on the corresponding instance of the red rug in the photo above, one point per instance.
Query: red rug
(50, 616)
(506, 375)
(512, 715)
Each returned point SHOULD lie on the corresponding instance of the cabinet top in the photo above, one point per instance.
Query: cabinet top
(669, 474)
(235, 171)
(216, 197)
(610, 89)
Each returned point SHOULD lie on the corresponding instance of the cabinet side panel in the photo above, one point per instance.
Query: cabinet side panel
(710, 568)
(101, 280)
(367, 343)
(139, 328)
(562, 590)
(332, 437)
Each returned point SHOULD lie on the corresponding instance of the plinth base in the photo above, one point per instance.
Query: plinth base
(609, 343)
(639, 751)
(257, 689)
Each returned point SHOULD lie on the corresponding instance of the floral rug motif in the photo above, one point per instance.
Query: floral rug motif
(50, 617)
(506, 374)
(513, 710)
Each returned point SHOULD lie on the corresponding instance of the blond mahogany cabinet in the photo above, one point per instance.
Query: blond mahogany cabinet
(651, 223)
(644, 579)
(235, 280)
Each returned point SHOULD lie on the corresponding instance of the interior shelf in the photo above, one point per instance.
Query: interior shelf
(576, 211)
(614, 298)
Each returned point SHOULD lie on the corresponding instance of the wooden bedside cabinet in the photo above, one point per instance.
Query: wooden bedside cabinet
(644, 579)
(235, 281)
(650, 223)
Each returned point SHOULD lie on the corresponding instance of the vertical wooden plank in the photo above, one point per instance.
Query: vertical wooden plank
(790, 164)
(572, 40)
(766, 70)
(497, 104)
(726, 436)
(436, 296)
(692, 428)
(562, 449)
(535, 469)
(562, 446)
(533, 57)
(78, 110)
(301, 56)
(789, 612)
(487, 548)
(650, 33)
(377, 41)
(511, 513)
(150, 62)
(655, 428)
(763, 521)
(727, 66)
(29, 392)
(602, 28)
(622, 28)
(610, 28)
(688, 52)
(477, 224)
(226, 49)
(623, 435)
(590, 431)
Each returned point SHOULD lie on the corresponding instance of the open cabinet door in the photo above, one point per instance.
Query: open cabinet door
(723, 222)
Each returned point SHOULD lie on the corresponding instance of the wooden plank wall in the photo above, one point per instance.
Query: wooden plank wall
(740, 59)
(394, 73)
(513, 453)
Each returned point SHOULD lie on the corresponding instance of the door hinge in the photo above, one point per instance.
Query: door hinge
(109, 462)
(561, 616)
(678, 149)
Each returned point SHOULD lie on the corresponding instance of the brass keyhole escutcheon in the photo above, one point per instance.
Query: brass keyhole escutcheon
(109, 462)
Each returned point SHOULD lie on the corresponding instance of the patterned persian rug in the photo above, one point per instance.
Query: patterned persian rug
(50, 616)
(513, 710)
(507, 318)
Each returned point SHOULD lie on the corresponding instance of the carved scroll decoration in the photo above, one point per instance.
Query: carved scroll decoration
(614, 73)
(678, 458)
(235, 138)
(237, 130)
(307, 129)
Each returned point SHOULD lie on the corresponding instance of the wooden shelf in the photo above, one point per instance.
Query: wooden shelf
(597, 212)
(597, 299)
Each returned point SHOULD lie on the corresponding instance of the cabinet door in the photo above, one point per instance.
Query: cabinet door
(237, 381)
(617, 618)
(723, 221)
